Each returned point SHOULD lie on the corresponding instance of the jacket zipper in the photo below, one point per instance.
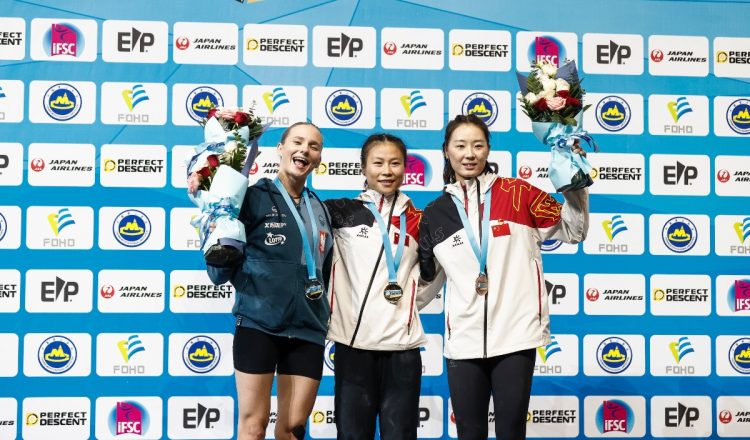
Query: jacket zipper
(411, 307)
(448, 323)
(539, 290)
(479, 208)
(333, 292)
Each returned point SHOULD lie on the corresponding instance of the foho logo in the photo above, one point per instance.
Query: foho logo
(279, 106)
(678, 115)
(134, 103)
(619, 54)
(621, 416)
(128, 354)
(732, 236)
(191, 102)
(616, 234)
(558, 358)
(680, 295)
(53, 102)
(205, 43)
(614, 355)
(274, 45)
(491, 106)
(733, 295)
(671, 55)
(411, 48)
(411, 109)
(614, 114)
(129, 41)
(343, 107)
(617, 173)
(63, 40)
(614, 294)
(59, 227)
(679, 234)
(479, 50)
(183, 235)
(551, 47)
(680, 355)
(680, 174)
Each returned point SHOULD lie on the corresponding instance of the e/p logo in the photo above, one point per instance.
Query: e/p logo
(344, 45)
(51, 290)
(194, 418)
(135, 39)
(606, 54)
(680, 174)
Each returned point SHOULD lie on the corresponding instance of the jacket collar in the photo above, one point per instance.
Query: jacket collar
(383, 203)
(485, 181)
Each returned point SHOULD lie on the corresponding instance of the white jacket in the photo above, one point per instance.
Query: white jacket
(514, 314)
(360, 315)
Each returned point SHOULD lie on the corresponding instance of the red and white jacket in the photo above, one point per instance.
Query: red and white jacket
(360, 315)
(514, 314)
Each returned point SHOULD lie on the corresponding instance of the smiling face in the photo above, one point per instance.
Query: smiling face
(300, 151)
(384, 168)
(467, 151)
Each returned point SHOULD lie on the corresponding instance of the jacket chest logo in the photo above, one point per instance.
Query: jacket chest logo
(457, 241)
(275, 225)
(500, 229)
(364, 232)
(274, 239)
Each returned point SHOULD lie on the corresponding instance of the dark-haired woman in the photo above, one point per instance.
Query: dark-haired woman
(374, 296)
(485, 231)
(280, 306)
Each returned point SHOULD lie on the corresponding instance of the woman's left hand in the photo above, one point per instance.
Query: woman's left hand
(578, 150)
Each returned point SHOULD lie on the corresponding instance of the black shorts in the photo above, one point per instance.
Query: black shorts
(256, 352)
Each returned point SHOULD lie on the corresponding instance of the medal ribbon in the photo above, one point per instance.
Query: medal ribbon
(485, 228)
(391, 262)
(309, 257)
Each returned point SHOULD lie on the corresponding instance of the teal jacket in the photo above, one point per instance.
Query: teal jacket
(270, 281)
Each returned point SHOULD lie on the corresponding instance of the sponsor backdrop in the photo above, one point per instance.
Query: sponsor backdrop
(110, 327)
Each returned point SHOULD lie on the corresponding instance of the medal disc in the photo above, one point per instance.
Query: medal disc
(481, 284)
(313, 289)
(393, 293)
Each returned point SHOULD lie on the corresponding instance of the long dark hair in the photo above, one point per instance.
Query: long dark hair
(378, 138)
(449, 175)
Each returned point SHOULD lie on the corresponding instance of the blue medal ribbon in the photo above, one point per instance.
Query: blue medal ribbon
(480, 254)
(391, 262)
(309, 257)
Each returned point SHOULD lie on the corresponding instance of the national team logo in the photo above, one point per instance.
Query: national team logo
(614, 226)
(614, 355)
(130, 347)
(201, 354)
(615, 416)
(60, 220)
(548, 350)
(134, 96)
(57, 354)
(412, 102)
(551, 245)
(547, 49)
(201, 100)
(679, 108)
(681, 348)
(613, 113)
(63, 39)
(739, 355)
(679, 234)
(481, 105)
(275, 99)
(418, 171)
(62, 102)
(738, 116)
(343, 107)
(128, 417)
(330, 352)
(131, 228)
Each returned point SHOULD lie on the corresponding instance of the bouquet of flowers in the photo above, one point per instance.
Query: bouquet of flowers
(551, 97)
(217, 181)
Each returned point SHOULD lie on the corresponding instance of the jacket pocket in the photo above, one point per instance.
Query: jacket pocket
(269, 292)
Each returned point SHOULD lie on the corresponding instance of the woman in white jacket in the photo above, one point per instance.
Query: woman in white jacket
(485, 231)
(374, 296)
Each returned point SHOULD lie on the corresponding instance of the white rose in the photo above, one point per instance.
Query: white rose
(230, 146)
(531, 98)
(548, 84)
(549, 69)
(547, 94)
(562, 84)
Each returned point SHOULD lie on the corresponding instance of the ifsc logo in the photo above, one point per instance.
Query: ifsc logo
(615, 415)
(343, 107)
(201, 100)
(738, 295)
(418, 171)
(128, 417)
(57, 354)
(613, 113)
(62, 102)
(738, 116)
(547, 49)
(131, 228)
(63, 39)
(481, 105)
(679, 234)
(201, 354)
(739, 355)
(614, 355)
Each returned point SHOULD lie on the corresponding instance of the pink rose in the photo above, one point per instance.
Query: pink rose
(556, 103)
(193, 182)
(227, 112)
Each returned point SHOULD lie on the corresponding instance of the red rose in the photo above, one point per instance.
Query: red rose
(563, 93)
(211, 113)
(541, 105)
(572, 101)
(213, 161)
(241, 118)
(205, 172)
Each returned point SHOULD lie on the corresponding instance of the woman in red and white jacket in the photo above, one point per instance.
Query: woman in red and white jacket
(374, 295)
(485, 231)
